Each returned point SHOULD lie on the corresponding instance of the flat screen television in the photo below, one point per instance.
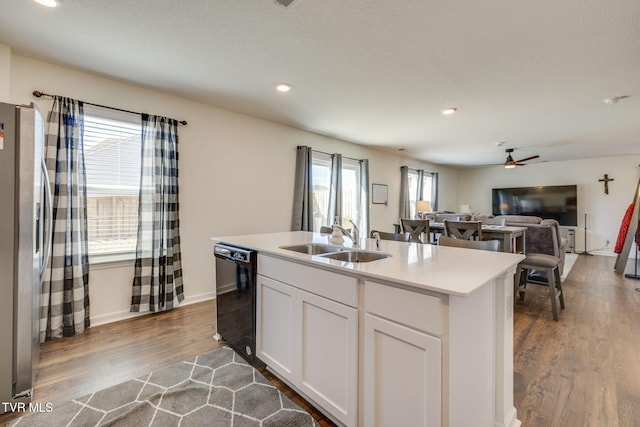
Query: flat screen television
(557, 202)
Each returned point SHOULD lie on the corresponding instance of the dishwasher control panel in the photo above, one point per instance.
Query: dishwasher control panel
(233, 253)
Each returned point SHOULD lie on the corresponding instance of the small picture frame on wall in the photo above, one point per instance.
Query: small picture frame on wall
(379, 194)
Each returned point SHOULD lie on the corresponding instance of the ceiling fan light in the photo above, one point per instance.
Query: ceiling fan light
(510, 165)
(614, 99)
(449, 111)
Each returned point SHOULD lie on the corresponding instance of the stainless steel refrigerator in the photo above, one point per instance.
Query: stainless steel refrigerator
(25, 211)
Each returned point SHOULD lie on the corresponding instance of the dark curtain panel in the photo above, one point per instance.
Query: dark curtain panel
(302, 218)
(157, 283)
(64, 308)
(434, 191)
(335, 191)
(405, 201)
(420, 190)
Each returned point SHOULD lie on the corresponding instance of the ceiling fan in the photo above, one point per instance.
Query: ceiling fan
(510, 163)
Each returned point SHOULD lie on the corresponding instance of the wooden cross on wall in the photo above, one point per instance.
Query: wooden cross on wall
(606, 180)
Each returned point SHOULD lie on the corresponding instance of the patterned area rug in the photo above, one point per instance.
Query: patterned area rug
(214, 389)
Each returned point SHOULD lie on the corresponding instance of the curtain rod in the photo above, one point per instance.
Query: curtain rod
(39, 94)
(329, 154)
(419, 169)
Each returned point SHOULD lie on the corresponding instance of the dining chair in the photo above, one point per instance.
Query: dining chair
(465, 230)
(416, 228)
(399, 237)
(484, 245)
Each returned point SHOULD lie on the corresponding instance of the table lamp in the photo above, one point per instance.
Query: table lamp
(422, 207)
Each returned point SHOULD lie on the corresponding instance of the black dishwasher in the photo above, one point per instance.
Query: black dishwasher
(236, 298)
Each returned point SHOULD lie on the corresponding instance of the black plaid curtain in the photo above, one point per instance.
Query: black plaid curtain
(64, 308)
(157, 284)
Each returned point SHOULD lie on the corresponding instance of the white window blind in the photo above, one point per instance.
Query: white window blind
(112, 142)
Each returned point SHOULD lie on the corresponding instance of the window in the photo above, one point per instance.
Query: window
(419, 190)
(350, 197)
(427, 187)
(112, 144)
(413, 191)
(321, 173)
(351, 208)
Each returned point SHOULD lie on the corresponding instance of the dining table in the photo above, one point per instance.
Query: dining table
(512, 239)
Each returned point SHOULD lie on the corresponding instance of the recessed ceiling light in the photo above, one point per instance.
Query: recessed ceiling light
(283, 87)
(47, 3)
(449, 111)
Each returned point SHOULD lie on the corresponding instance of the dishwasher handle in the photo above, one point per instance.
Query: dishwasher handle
(233, 253)
(222, 251)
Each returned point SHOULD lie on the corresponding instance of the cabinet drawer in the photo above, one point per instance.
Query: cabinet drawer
(330, 285)
(413, 309)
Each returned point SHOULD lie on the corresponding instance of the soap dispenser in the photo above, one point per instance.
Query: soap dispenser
(336, 235)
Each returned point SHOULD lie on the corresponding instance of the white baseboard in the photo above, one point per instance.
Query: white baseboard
(125, 314)
(609, 252)
(604, 252)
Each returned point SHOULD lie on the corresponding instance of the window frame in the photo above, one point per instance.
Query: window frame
(427, 190)
(352, 165)
(320, 160)
(324, 160)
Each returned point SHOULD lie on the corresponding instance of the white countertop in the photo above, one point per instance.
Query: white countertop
(447, 270)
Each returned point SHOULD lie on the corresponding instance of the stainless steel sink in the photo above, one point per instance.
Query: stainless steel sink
(313, 248)
(357, 256)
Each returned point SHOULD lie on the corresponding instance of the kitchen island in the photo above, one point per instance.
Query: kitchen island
(422, 336)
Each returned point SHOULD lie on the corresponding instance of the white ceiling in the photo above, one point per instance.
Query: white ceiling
(374, 72)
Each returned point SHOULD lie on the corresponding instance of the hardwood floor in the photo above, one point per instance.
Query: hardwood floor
(583, 370)
(109, 354)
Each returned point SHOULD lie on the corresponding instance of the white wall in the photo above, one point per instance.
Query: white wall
(236, 172)
(5, 71)
(232, 163)
(604, 211)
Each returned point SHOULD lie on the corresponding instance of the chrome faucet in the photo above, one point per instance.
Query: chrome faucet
(376, 236)
(354, 235)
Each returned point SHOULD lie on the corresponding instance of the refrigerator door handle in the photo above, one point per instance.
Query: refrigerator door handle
(49, 222)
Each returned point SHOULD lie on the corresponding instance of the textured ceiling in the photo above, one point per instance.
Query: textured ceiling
(532, 74)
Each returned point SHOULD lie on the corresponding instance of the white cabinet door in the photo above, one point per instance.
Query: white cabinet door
(402, 375)
(275, 325)
(329, 355)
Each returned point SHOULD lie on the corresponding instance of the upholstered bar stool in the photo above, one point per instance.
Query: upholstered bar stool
(548, 264)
